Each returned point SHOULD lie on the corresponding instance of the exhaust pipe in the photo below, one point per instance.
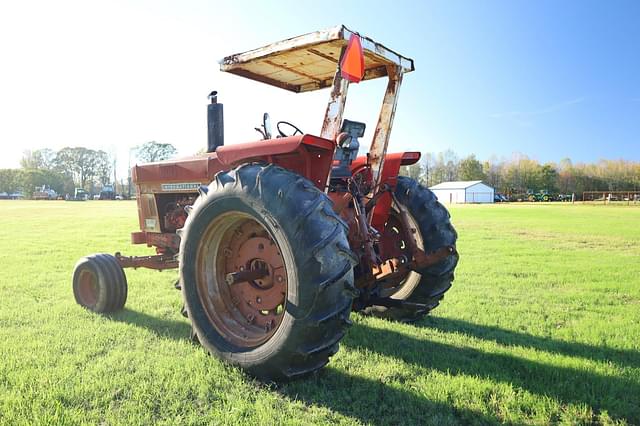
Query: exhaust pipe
(215, 123)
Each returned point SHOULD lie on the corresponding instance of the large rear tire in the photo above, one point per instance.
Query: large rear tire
(288, 322)
(433, 231)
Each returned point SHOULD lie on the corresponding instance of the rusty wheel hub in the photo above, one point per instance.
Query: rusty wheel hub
(394, 245)
(242, 279)
(88, 288)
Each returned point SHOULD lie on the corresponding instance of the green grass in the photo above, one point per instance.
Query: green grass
(542, 326)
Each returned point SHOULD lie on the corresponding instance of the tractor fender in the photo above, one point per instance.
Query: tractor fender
(241, 152)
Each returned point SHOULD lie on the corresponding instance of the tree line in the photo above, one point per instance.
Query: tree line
(85, 168)
(520, 173)
(72, 167)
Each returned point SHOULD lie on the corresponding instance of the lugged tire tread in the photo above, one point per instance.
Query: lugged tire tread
(434, 222)
(330, 292)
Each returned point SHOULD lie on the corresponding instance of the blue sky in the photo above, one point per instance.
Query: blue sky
(550, 79)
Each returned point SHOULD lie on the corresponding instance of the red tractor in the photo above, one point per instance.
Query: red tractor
(278, 241)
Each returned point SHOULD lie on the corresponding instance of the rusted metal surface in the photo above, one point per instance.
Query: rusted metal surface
(241, 279)
(164, 240)
(381, 135)
(88, 287)
(341, 201)
(419, 259)
(308, 62)
(138, 237)
(388, 267)
(246, 275)
(385, 259)
(158, 262)
(406, 225)
(423, 260)
(335, 108)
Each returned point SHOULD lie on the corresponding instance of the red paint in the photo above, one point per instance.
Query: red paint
(389, 174)
(307, 155)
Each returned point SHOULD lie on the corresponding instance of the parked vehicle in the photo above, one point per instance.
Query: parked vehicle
(542, 195)
(107, 193)
(44, 193)
(79, 194)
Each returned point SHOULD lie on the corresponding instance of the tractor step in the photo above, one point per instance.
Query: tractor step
(396, 303)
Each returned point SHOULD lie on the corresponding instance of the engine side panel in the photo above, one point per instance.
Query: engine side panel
(163, 187)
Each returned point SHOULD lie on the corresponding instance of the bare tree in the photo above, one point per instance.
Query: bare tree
(38, 159)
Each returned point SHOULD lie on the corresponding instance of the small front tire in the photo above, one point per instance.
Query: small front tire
(99, 283)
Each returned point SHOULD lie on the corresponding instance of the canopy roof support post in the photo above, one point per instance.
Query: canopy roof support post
(380, 140)
(335, 109)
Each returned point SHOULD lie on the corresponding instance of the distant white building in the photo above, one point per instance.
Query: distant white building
(472, 191)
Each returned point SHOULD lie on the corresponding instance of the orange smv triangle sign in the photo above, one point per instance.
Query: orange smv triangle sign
(352, 64)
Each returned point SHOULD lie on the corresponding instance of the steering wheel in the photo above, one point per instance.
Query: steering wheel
(283, 134)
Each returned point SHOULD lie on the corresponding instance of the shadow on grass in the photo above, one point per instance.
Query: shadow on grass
(163, 327)
(619, 396)
(370, 401)
(373, 401)
(622, 357)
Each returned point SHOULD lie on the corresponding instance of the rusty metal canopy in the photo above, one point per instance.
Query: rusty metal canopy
(309, 62)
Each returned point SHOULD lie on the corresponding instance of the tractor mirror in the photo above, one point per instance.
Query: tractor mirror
(266, 125)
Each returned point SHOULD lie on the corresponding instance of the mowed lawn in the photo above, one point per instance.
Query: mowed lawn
(542, 326)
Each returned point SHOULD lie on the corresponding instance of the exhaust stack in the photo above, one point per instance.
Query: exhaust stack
(215, 123)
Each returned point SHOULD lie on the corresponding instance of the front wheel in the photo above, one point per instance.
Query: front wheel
(99, 283)
(266, 272)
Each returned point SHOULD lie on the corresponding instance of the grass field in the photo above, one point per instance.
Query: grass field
(542, 326)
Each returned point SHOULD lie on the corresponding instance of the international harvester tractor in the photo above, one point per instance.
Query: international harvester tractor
(277, 241)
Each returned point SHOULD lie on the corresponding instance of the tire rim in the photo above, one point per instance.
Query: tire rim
(246, 313)
(395, 245)
(88, 288)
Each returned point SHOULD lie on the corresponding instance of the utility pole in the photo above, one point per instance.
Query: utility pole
(129, 178)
